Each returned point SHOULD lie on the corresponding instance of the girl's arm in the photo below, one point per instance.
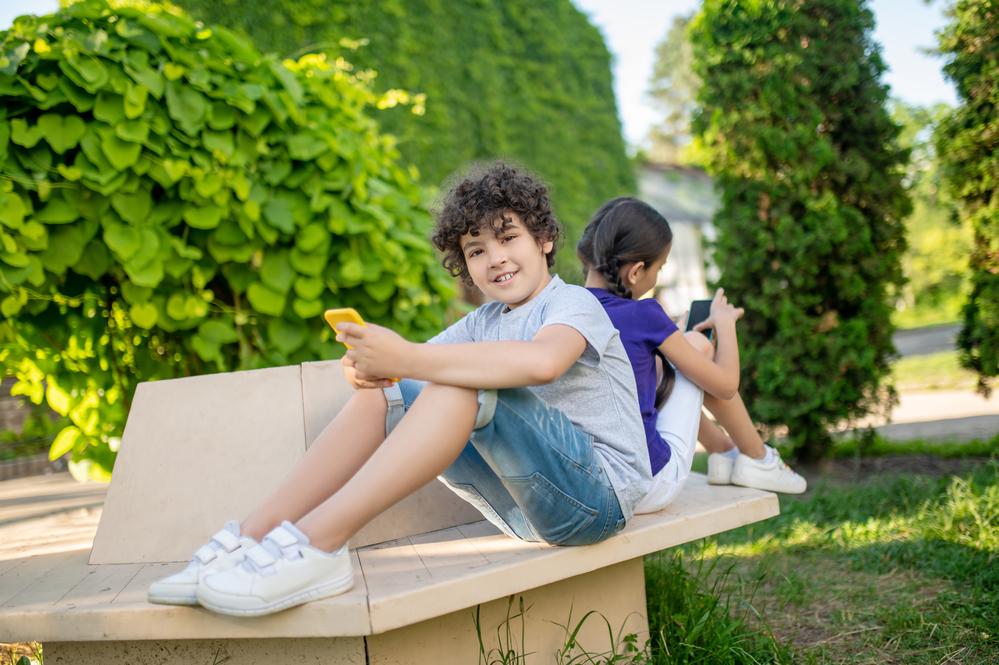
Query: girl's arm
(718, 376)
(380, 352)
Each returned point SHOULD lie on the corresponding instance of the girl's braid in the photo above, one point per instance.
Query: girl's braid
(611, 270)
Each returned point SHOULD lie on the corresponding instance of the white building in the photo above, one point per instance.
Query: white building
(686, 198)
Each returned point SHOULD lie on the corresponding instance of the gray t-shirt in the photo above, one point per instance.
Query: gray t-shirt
(597, 393)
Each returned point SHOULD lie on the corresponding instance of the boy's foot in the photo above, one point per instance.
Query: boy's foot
(226, 549)
(720, 468)
(281, 572)
(769, 473)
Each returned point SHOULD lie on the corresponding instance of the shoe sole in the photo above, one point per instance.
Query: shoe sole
(333, 588)
(161, 599)
(741, 482)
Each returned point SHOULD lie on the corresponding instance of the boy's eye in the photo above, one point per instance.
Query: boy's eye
(509, 238)
(474, 252)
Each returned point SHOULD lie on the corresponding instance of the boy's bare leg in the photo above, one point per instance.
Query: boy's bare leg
(343, 446)
(713, 438)
(427, 440)
(733, 416)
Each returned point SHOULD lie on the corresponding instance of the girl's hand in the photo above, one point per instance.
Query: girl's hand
(376, 352)
(722, 313)
(361, 381)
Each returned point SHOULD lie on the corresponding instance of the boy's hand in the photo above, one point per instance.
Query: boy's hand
(360, 380)
(377, 352)
(722, 312)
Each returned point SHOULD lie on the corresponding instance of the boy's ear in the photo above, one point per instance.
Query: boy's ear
(547, 247)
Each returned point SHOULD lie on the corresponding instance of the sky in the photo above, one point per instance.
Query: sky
(632, 28)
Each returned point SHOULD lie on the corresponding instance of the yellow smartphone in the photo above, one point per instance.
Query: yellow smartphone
(343, 315)
(347, 315)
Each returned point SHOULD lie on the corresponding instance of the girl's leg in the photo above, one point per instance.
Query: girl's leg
(343, 446)
(733, 416)
(433, 432)
(713, 438)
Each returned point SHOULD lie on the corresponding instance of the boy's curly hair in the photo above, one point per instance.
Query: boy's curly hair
(483, 197)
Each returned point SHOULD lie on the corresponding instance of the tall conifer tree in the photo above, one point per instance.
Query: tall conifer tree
(968, 144)
(810, 230)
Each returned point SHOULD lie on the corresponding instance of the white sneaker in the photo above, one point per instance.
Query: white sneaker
(720, 469)
(773, 477)
(281, 572)
(226, 549)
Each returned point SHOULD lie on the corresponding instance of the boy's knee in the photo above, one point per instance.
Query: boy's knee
(700, 342)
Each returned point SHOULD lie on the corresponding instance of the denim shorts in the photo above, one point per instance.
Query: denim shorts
(527, 469)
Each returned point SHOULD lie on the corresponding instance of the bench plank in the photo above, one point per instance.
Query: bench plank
(18, 578)
(398, 583)
(396, 601)
(47, 590)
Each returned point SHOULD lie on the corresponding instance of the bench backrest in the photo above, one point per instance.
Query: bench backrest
(200, 450)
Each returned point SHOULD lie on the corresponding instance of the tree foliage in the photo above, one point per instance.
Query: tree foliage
(173, 203)
(673, 89)
(936, 261)
(517, 79)
(810, 231)
(968, 142)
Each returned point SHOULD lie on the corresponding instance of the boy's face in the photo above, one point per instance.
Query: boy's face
(510, 267)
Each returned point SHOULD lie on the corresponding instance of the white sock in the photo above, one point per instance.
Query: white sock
(732, 453)
(770, 456)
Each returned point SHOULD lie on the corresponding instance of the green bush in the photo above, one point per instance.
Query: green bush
(810, 227)
(174, 203)
(518, 79)
(968, 143)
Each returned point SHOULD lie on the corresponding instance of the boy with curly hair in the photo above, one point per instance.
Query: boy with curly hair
(526, 408)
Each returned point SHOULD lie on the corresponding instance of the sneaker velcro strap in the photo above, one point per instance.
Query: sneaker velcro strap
(260, 557)
(282, 537)
(205, 553)
(226, 539)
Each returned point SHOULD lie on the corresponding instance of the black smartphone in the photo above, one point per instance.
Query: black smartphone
(699, 310)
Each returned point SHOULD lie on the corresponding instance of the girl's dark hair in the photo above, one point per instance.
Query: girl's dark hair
(626, 230)
(482, 198)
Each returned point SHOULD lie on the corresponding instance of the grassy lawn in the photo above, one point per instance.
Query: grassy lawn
(892, 569)
(934, 371)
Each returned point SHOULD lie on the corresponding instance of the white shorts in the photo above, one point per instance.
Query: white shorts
(678, 423)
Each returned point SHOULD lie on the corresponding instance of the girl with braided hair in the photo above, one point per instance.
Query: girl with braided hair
(622, 249)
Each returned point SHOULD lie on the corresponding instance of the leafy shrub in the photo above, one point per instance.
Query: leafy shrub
(174, 202)
(810, 228)
(968, 143)
(517, 79)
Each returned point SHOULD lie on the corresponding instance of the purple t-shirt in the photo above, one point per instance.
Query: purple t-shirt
(643, 326)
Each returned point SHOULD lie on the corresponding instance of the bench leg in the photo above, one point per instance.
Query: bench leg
(328, 651)
(617, 592)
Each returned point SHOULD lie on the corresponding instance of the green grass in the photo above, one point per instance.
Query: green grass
(919, 316)
(895, 569)
(874, 445)
(934, 371)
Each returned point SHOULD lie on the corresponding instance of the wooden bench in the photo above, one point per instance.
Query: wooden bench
(200, 450)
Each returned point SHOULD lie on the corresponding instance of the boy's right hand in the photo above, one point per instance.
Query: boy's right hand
(361, 381)
(722, 312)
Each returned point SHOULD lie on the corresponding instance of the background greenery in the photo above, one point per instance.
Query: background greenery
(968, 142)
(939, 243)
(795, 129)
(174, 203)
(519, 79)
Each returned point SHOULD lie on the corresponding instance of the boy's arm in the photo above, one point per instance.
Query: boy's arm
(381, 352)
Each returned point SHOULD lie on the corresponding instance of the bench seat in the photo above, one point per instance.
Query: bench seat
(61, 597)
(199, 450)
